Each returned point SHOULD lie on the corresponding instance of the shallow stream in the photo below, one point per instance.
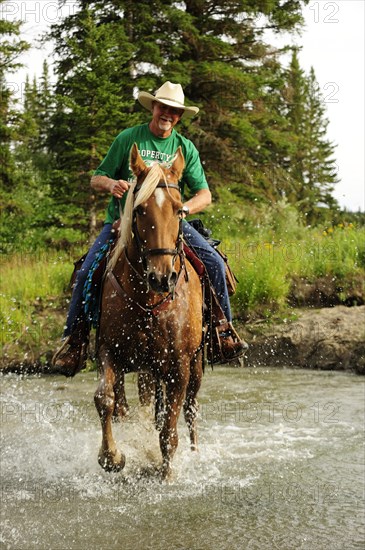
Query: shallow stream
(280, 466)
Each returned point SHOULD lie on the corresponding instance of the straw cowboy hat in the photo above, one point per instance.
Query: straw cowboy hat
(169, 94)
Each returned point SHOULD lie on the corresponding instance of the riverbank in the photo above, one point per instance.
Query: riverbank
(325, 339)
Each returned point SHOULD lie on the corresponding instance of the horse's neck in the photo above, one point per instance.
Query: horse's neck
(128, 269)
(129, 272)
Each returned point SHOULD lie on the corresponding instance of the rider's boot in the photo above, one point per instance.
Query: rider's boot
(227, 344)
(232, 346)
(71, 357)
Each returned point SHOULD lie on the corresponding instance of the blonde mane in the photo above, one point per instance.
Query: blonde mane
(153, 177)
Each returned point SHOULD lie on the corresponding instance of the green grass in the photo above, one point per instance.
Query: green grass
(266, 265)
(32, 289)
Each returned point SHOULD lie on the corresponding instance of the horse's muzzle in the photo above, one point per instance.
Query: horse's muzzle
(162, 283)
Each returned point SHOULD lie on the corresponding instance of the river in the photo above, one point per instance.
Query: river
(280, 466)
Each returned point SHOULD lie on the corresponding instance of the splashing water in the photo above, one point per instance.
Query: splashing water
(280, 466)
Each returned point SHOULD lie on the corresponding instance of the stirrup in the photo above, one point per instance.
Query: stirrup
(225, 330)
(59, 351)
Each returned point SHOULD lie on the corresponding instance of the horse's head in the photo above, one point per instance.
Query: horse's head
(156, 220)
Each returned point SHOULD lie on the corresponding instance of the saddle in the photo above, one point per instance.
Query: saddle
(213, 316)
(231, 278)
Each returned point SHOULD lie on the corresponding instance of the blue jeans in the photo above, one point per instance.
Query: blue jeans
(76, 310)
(214, 265)
(211, 259)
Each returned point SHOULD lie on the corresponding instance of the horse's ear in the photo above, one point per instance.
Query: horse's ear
(179, 163)
(137, 163)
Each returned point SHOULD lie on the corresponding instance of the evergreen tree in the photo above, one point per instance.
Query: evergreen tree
(311, 165)
(35, 122)
(93, 102)
(216, 50)
(11, 47)
(294, 94)
(26, 217)
(320, 170)
(250, 132)
(27, 134)
(45, 107)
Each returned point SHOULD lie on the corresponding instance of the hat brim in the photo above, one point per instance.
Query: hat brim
(147, 99)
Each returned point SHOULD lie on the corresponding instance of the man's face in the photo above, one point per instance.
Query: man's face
(164, 117)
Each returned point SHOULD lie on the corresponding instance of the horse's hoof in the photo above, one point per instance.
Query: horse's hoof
(111, 462)
(166, 473)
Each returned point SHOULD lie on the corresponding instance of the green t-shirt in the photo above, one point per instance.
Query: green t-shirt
(152, 149)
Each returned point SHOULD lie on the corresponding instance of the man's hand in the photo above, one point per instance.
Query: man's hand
(118, 188)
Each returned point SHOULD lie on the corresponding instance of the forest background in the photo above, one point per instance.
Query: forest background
(261, 133)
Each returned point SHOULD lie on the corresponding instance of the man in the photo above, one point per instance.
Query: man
(157, 141)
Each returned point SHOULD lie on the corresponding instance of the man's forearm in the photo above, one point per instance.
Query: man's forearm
(198, 202)
(102, 183)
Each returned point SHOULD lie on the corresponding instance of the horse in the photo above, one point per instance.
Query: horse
(151, 316)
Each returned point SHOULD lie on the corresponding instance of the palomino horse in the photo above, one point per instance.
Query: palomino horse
(151, 311)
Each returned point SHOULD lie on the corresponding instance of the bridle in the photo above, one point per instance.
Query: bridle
(146, 252)
(154, 309)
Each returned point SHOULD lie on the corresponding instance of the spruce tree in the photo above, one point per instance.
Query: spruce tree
(219, 55)
(294, 94)
(247, 131)
(45, 108)
(311, 166)
(214, 49)
(11, 47)
(320, 169)
(93, 103)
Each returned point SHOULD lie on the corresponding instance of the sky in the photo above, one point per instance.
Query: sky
(332, 43)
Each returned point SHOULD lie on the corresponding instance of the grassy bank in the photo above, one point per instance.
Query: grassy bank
(269, 259)
(274, 272)
(279, 260)
(33, 302)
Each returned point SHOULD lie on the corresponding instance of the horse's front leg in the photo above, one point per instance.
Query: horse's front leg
(109, 457)
(175, 393)
(191, 402)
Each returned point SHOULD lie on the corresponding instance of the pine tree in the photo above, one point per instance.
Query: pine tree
(294, 94)
(250, 124)
(312, 165)
(236, 78)
(94, 102)
(11, 47)
(33, 126)
(45, 108)
(320, 169)
(214, 49)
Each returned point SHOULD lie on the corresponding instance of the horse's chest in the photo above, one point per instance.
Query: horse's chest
(152, 339)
